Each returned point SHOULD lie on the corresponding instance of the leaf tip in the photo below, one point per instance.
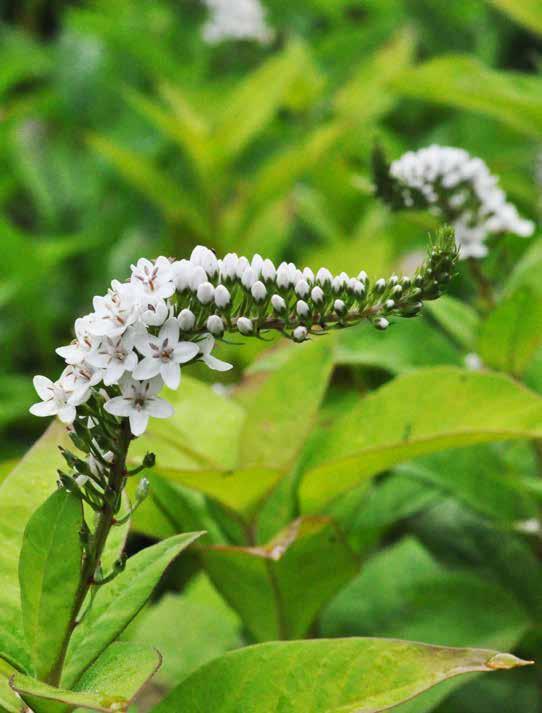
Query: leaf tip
(506, 661)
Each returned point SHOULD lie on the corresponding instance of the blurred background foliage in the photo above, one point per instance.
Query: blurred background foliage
(124, 133)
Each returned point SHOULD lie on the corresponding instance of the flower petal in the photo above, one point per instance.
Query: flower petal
(43, 386)
(159, 408)
(170, 331)
(216, 364)
(147, 368)
(170, 372)
(119, 406)
(138, 422)
(185, 351)
(67, 414)
(44, 408)
(207, 344)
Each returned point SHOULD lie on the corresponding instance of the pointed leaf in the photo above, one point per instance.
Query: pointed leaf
(526, 12)
(49, 576)
(117, 603)
(109, 686)
(23, 490)
(263, 584)
(418, 413)
(8, 700)
(331, 675)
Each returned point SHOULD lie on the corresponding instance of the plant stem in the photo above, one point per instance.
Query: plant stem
(91, 562)
(485, 287)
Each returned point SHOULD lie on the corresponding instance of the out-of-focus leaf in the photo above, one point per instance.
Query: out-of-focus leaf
(281, 413)
(336, 675)
(263, 584)
(110, 685)
(117, 603)
(418, 413)
(21, 493)
(526, 12)
(199, 618)
(49, 577)
(457, 318)
(9, 702)
(513, 98)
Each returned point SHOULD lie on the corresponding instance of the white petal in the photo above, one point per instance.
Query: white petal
(98, 360)
(154, 386)
(143, 342)
(119, 406)
(113, 372)
(44, 408)
(43, 386)
(67, 414)
(185, 351)
(138, 422)
(170, 331)
(159, 408)
(171, 374)
(147, 368)
(216, 364)
(206, 345)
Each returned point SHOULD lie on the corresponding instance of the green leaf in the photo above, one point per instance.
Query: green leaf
(407, 345)
(273, 435)
(49, 576)
(526, 12)
(418, 413)
(8, 700)
(457, 318)
(513, 98)
(512, 333)
(21, 493)
(199, 617)
(110, 685)
(117, 603)
(333, 675)
(264, 586)
(403, 592)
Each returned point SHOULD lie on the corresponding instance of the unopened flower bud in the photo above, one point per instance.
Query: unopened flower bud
(406, 281)
(308, 275)
(149, 460)
(244, 325)
(393, 280)
(142, 489)
(186, 320)
(324, 276)
(205, 293)
(356, 287)
(381, 323)
(339, 307)
(242, 265)
(197, 277)
(258, 291)
(302, 288)
(302, 308)
(222, 296)
(81, 480)
(380, 285)
(215, 325)
(362, 276)
(248, 278)
(283, 278)
(389, 304)
(278, 303)
(317, 295)
(268, 272)
(300, 334)
(397, 290)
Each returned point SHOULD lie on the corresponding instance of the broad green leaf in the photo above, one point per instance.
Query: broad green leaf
(110, 685)
(480, 477)
(333, 675)
(510, 97)
(457, 318)
(526, 12)
(404, 592)
(418, 413)
(512, 333)
(50, 576)
(117, 603)
(153, 183)
(21, 493)
(198, 618)
(264, 586)
(407, 345)
(526, 271)
(282, 412)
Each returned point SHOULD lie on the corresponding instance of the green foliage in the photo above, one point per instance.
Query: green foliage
(354, 675)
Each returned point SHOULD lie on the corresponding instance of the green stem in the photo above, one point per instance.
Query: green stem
(91, 562)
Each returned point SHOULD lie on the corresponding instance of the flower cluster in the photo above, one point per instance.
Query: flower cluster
(455, 185)
(237, 20)
(170, 312)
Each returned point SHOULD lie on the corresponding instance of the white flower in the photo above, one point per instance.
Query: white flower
(206, 346)
(182, 274)
(205, 258)
(358, 288)
(115, 356)
(236, 20)
(278, 303)
(153, 278)
(242, 265)
(139, 401)
(155, 312)
(381, 323)
(163, 354)
(283, 276)
(205, 293)
(78, 379)
(187, 320)
(380, 285)
(256, 265)
(300, 334)
(83, 345)
(222, 297)
(339, 307)
(248, 278)
(215, 325)
(114, 312)
(317, 294)
(55, 400)
(197, 277)
(228, 267)
(268, 271)
(362, 276)
(308, 275)
(324, 277)
(244, 325)
(258, 291)
(302, 308)
(302, 288)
